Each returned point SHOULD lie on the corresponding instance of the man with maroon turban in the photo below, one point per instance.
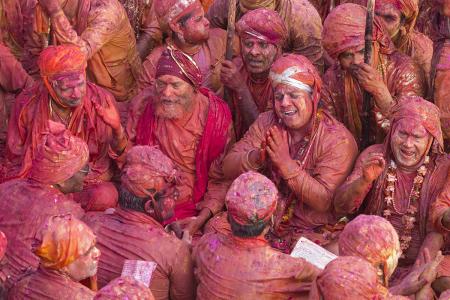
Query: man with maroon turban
(86, 109)
(374, 239)
(188, 30)
(303, 23)
(58, 169)
(193, 127)
(134, 231)
(262, 35)
(349, 277)
(305, 151)
(401, 178)
(67, 253)
(242, 265)
(389, 76)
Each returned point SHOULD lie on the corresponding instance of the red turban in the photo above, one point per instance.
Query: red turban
(57, 62)
(348, 277)
(297, 71)
(168, 11)
(264, 24)
(177, 63)
(344, 29)
(143, 163)
(424, 113)
(252, 198)
(372, 238)
(62, 240)
(59, 155)
(124, 288)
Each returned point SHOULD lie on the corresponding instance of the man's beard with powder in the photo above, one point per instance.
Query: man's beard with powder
(173, 109)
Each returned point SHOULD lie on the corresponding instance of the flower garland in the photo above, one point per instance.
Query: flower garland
(408, 216)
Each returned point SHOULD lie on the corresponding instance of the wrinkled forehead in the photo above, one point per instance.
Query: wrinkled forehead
(411, 126)
(69, 80)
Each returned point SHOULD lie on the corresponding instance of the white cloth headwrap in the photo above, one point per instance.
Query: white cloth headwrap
(178, 9)
(285, 78)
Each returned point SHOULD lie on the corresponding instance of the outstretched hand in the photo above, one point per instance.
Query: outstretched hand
(373, 166)
(109, 115)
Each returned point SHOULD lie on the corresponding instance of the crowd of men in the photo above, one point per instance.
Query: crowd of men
(127, 138)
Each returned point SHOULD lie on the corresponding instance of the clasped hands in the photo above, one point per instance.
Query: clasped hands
(276, 148)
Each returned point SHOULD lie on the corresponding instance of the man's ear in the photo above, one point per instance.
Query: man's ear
(148, 207)
(176, 27)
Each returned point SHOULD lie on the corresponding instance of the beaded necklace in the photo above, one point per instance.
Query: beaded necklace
(409, 215)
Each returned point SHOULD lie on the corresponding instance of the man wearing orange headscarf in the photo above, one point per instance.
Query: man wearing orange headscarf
(303, 23)
(58, 169)
(135, 232)
(304, 150)
(242, 265)
(401, 178)
(187, 29)
(67, 253)
(86, 109)
(389, 76)
(262, 35)
(193, 127)
(101, 30)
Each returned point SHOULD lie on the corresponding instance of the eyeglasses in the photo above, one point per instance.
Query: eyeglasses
(85, 170)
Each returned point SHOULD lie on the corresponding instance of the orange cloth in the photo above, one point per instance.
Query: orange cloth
(24, 208)
(251, 199)
(229, 267)
(62, 240)
(304, 25)
(49, 284)
(127, 234)
(348, 277)
(124, 288)
(59, 156)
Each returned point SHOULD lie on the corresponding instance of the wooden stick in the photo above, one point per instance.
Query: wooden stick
(229, 50)
(367, 98)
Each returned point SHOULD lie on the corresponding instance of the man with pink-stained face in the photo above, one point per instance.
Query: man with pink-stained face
(65, 96)
(193, 127)
(187, 29)
(60, 271)
(389, 76)
(305, 151)
(303, 23)
(400, 179)
(262, 35)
